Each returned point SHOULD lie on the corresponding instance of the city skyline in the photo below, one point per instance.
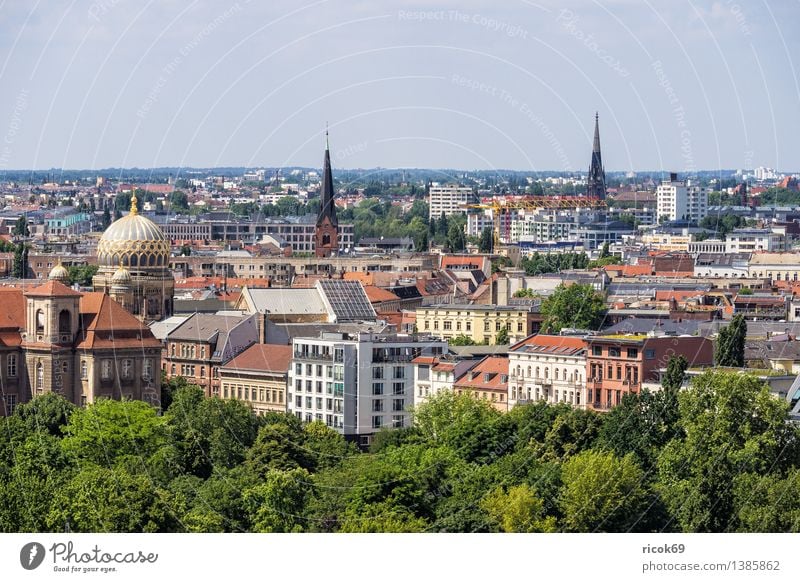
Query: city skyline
(404, 85)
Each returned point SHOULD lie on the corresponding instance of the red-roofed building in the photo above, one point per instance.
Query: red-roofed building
(258, 377)
(488, 381)
(83, 346)
(435, 374)
(550, 368)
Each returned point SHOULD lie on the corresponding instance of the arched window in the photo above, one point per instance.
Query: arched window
(326, 239)
(64, 321)
(39, 376)
(546, 373)
(529, 371)
(39, 321)
(537, 371)
(556, 374)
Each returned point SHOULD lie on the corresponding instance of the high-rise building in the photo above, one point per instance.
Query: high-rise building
(449, 200)
(326, 237)
(677, 200)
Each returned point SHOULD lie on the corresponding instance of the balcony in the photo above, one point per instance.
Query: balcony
(313, 357)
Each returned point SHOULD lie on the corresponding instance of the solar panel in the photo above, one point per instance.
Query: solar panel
(348, 300)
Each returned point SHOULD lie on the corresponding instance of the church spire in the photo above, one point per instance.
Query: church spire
(327, 208)
(596, 186)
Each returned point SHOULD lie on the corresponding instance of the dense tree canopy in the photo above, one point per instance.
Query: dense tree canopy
(718, 456)
(573, 306)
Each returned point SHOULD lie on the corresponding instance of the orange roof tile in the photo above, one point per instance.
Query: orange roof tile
(496, 367)
(376, 294)
(262, 358)
(12, 308)
(52, 289)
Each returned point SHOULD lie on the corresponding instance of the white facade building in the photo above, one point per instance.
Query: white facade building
(356, 384)
(433, 375)
(679, 201)
(550, 368)
(750, 240)
(449, 200)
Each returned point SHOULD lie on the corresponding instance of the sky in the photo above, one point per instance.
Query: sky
(678, 85)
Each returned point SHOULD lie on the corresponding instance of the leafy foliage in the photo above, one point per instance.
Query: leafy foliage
(729, 347)
(719, 456)
(575, 306)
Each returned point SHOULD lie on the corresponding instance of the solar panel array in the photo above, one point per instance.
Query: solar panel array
(348, 300)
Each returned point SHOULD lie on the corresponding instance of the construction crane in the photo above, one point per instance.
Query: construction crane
(502, 206)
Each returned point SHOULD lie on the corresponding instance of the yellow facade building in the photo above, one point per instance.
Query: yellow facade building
(481, 323)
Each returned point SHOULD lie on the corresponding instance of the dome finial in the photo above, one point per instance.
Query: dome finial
(134, 208)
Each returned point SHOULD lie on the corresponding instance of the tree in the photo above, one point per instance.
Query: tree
(729, 347)
(501, 338)
(675, 375)
(456, 240)
(104, 500)
(601, 493)
(20, 267)
(518, 510)
(574, 306)
(111, 431)
(486, 243)
(604, 251)
(277, 505)
(21, 227)
(461, 340)
(106, 218)
(82, 274)
(525, 293)
(731, 426)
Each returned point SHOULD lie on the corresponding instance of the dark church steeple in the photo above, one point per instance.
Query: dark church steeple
(326, 237)
(596, 187)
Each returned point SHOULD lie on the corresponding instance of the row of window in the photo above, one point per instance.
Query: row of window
(447, 325)
(332, 404)
(397, 388)
(615, 352)
(631, 373)
(536, 373)
(398, 405)
(398, 421)
(252, 393)
(318, 370)
(188, 351)
(331, 420)
(398, 372)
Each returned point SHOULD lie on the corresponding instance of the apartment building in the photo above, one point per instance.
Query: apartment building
(436, 374)
(551, 368)
(481, 323)
(488, 381)
(258, 377)
(775, 266)
(197, 348)
(357, 383)
(750, 240)
(449, 200)
(677, 200)
(618, 364)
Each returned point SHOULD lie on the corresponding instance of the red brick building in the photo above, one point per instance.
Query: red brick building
(619, 364)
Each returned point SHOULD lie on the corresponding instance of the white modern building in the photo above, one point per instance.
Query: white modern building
(548, 367)
(677, 200)
(358, 383)
(750, 240)
(449, 200)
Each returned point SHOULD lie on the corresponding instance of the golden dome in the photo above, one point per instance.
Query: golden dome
(133, 241)
(59, 273)
(122, 276)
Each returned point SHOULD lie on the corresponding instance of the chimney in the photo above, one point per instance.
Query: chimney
(261, 322)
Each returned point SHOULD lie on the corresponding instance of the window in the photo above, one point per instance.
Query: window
(298, 401)
(377, 373)
(486, 326)
(64, 321)
(633, 353)
(399, 372)
(377, 388)
(613, 352)
(469, 326)
(85, 370)
(39, 321)
(597, 351)
(427, 324)
(11, 365)
(319, 386)
(309, 401)
(39, 376)
(377, 405)
(105, 370)
(650, 354)
(377, 421)
(398, 404)
(397, 421)
(448, 325)
(10, 402)
(319, 403)
(127, 368)
(147, 369)
(398, 388)
(519, 326)
(298, 369)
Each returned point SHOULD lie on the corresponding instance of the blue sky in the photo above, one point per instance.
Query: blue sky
(450, 84)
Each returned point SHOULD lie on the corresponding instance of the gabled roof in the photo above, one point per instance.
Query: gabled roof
(376, 294)
(52, 289)
(262, 358)
(106, 324)
(491, 373)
